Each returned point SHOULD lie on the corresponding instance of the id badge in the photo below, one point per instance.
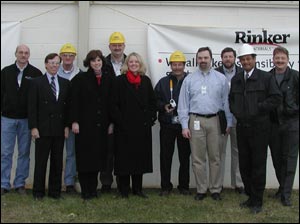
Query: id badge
(196, 125)
(203, 90)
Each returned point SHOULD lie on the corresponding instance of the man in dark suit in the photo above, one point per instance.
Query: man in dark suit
(47, 111)
(253, 94)
(229, 69)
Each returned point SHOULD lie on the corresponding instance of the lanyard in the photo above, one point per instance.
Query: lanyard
(171, 88)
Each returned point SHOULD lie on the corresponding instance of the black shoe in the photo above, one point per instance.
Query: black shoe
(55, 196)
(21, 190)
(255, 209)
(70, 189)
(185, 192)
(216, 196)
(105, 189)
(163, 193)
(140, 194)
(239, 190)
(199, 197)
(286, 202)
(277, 195)
(246, 204)
(4, 191)
(38, 198)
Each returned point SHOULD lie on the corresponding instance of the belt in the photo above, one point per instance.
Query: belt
(204, 115)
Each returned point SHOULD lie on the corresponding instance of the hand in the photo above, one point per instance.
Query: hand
(227, 130)
(168, 108)
(35, 133)
(186, 133)
(75, 128)
(111, 129)
(67, 132)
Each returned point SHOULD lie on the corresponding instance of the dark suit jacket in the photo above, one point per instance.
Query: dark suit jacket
(46, 113)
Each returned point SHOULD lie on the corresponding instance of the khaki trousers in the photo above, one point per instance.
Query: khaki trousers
(206, 143)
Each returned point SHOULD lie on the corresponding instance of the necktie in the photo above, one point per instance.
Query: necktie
(53, 86)
(246, 76)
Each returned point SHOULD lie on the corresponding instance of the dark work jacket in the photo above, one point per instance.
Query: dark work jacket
(255, 99)
(108, 60)
(221, 69)
(14, 99)
(90, 105)
(46, 113)
(288, 111)
(163, 96)
(134, 113)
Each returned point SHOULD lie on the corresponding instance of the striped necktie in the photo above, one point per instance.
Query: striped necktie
(53, 86)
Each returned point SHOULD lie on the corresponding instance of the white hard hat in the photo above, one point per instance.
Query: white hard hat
(246, 49)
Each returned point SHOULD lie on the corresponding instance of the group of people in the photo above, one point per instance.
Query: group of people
(104, 116)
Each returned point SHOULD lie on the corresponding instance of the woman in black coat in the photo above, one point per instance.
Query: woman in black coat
(90, 120)
(134, 113)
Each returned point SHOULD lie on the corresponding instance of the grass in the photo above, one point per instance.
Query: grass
(174, 208)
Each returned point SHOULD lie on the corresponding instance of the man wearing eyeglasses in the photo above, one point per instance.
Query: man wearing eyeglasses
(47, 120)
(69, 70)
(14, 123)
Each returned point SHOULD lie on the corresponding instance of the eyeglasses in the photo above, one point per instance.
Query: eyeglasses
(68, 55)
(53, 63)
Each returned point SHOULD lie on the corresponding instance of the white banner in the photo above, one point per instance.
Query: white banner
(163, 40)
(10, 39)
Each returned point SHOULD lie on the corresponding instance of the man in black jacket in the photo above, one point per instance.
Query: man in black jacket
(253, 95)
(47, 111)
(15, 81)
(167, 92)
(284, 140)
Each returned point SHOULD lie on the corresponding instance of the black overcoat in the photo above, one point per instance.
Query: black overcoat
(134, 113)
(90, 109)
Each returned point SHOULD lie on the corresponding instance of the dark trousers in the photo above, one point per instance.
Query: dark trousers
(88, 183)
(106, 177)
(168, 137)
(124, 183)
(253, 146)
(43, 147)
(284, 146)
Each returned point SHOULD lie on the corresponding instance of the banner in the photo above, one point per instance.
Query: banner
(164, 40)
(10, 39)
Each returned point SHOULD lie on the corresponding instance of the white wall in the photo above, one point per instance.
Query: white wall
(47, 26)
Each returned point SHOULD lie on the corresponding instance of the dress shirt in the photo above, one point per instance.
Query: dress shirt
(56, 83)
(20, 75)
(203, 93)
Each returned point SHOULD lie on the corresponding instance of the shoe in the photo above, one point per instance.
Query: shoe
(184, 192)
(105, 189)
(286, 202)
(38, 198)
(4, 191)
(277, 195)
(255, 209)
(199, 197)
(216, 196)
(21, 190)
(140, 194)
(163, 193)
(70, 189)
(239, 190)
(246, 204)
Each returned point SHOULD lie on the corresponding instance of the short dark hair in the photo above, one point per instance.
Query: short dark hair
(204, 49)
(51, 56)
(92, 55)
(228, 49)
(281, 50)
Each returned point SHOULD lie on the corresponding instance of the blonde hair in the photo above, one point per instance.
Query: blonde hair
(141, 71)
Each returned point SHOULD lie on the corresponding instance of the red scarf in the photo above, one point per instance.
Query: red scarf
(133, 79)
(98, 76)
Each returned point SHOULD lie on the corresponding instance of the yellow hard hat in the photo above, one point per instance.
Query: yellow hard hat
(68, 48)
(177, 56)
(116, 38)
